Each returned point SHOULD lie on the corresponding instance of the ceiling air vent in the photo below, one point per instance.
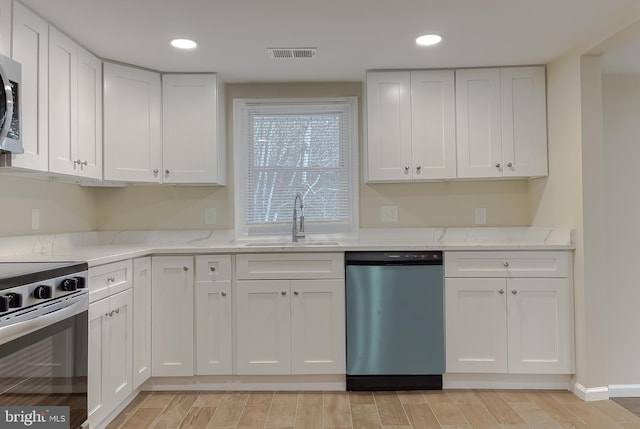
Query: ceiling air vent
(291, 53)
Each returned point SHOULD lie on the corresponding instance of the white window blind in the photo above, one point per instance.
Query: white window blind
(298, 147)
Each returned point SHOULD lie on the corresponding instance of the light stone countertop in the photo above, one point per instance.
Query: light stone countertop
(103, 247)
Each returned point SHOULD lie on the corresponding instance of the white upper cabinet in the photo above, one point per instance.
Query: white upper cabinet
(5, 27)
(75, 108)
(31, 49)
(132, 127)
(193, 139)
(501, 122)
(411, 125)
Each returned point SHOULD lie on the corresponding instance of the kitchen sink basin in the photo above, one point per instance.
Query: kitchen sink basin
(291, 244)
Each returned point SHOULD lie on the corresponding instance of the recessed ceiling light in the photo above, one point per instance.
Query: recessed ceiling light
(428, 40)
(183, 43)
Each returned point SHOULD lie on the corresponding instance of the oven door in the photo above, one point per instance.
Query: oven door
(43, 357)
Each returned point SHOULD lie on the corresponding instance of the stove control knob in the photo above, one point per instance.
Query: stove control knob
(14, 300)
(69, 285)
(42, 292)
(4, 304)
(81, 282)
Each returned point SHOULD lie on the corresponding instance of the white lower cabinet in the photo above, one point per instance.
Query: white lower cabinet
(172, 316)
(213, 315)
(141, 320)
(506, 323)
(110, 354)
(289, 325)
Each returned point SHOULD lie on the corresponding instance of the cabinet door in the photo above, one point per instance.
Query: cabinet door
(263, 327)
(524, 121)
(433, 124)
(119, 335)
(318, 327)
(63, 103)
(478, 119)
(98, 362)
(539, 324)
(132, 129)
(31, 49)
(5, 27)
(89, 114)
(476, 330)
(172, 316)
(389, 126)
(189, 131)
(214, 343)
(141, 320)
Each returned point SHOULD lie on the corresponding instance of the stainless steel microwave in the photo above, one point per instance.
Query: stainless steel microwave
(10, 106)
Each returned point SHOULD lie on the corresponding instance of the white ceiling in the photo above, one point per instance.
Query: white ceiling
(351, 35)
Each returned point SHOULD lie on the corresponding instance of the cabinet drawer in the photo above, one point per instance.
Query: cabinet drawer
(109, 279)
(507, 264)
(213, 267)
(262, 266)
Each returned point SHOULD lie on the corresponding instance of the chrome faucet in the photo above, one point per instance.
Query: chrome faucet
(298, 234)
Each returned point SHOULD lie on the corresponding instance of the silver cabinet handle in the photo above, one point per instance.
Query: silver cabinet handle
(185, 268)
(498, 165)
(418, 169)
(515, 292)
(509, 165)
(155, 172)
(85, 163)
(166, 172)
(295, 292)
(506, 264)
(223, 293)
(501, 291)
(110, 279)
(284, 292)
(117, 311)
(212, 269)
(406, 169)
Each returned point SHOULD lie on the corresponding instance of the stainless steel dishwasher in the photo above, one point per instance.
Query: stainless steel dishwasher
(395, 320)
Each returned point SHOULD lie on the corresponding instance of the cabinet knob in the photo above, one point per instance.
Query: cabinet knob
(498, 165)
(284, 292)
(166, 172)
(418, 169)
(185, 268)
(509, 165)
(295, 292)
(85, 163)
(223, 293)
(506, 264)
(515, 292)
(501, 291)
(212, 269)
(155, 172)
(406, 169)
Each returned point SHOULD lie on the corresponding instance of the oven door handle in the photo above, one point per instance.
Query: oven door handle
(16, 330)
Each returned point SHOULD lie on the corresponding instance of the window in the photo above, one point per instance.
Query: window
(282, 147)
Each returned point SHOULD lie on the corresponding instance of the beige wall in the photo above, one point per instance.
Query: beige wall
(63, 207)
(419, 205)
(621, 94)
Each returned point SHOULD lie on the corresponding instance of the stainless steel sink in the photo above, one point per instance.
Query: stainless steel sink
(290, 243)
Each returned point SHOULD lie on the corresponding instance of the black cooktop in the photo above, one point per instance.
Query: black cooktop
(20, 273)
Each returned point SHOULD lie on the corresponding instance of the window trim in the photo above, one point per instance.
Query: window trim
(240, 157)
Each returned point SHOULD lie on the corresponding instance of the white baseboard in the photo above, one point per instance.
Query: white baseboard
(590, 393)
(506, 381)
(624, 390)
(244, 383)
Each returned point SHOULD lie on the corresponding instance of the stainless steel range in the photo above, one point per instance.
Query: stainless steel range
(43, 336)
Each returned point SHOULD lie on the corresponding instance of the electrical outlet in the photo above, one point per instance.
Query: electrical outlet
(481, 216)
(35, 218)
(389, 214)
(210, 216)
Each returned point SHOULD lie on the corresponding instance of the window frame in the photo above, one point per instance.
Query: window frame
(241, 108)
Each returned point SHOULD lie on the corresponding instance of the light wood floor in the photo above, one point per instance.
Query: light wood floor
(369, 410)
